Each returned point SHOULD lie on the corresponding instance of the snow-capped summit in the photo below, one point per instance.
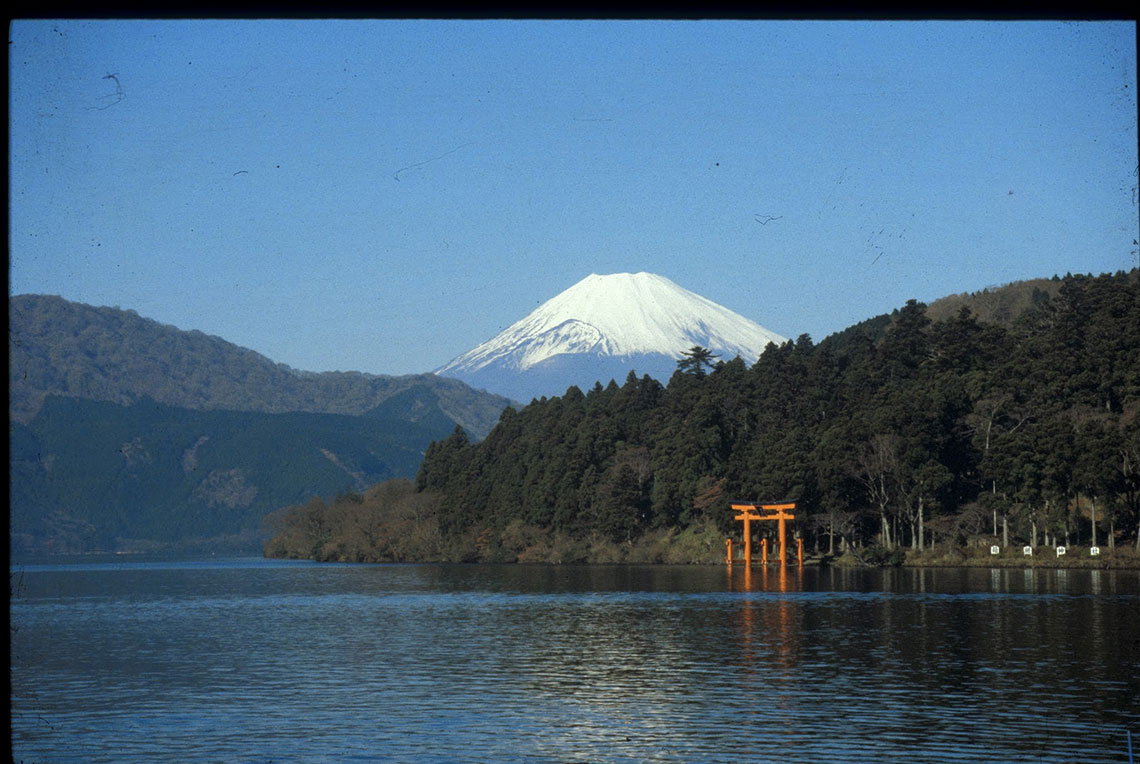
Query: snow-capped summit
(601, 328)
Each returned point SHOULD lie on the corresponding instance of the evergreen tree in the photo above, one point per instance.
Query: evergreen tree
(694, 360)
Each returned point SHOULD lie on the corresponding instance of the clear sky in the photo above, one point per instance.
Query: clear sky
(382, 196)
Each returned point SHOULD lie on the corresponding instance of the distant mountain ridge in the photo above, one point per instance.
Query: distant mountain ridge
(603, 327)
(59, 347)
(130, 435)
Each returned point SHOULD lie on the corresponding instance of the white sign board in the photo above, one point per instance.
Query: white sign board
(995, 550)
(1094, 551)
(1027, 551)
(1060, 551)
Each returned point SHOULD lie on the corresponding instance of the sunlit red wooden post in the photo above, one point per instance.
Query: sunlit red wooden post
(764, 551)
(747, 540)
(800, 550)
(783, 542)
(747, 515)
(728, 551)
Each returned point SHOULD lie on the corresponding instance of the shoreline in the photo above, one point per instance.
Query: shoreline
(1114, 564)
(1076, 558)
(1006, 564)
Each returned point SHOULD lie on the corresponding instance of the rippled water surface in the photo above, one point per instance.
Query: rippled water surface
(266, 661)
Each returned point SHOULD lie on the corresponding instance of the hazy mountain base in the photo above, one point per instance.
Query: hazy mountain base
(552, 376)
(94, 476)
(392, 523)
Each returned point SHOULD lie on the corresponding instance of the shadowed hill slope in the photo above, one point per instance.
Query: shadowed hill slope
(58, 347)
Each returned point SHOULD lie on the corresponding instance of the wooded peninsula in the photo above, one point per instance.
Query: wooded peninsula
(927, 436)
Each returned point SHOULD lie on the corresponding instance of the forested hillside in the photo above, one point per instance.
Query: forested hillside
(126, 434)
(1001, 305)
(90, 475)
(58, 347)
(897, 434)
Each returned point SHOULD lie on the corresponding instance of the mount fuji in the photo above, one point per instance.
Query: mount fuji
(602, 328)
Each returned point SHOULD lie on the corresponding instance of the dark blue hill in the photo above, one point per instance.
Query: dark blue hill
(95, 475)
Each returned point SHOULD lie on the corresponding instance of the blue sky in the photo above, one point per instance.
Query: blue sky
(382, 196)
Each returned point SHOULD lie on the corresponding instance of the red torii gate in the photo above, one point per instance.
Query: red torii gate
(748, 513)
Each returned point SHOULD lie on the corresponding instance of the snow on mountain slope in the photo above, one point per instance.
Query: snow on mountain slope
(620, 314)
(621, 317)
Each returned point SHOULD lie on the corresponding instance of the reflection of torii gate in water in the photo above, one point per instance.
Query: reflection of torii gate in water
(748, 513)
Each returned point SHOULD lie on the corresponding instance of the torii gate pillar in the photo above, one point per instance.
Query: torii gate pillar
(747, 515)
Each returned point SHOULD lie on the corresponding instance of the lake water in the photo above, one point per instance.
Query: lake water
(270, 661)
